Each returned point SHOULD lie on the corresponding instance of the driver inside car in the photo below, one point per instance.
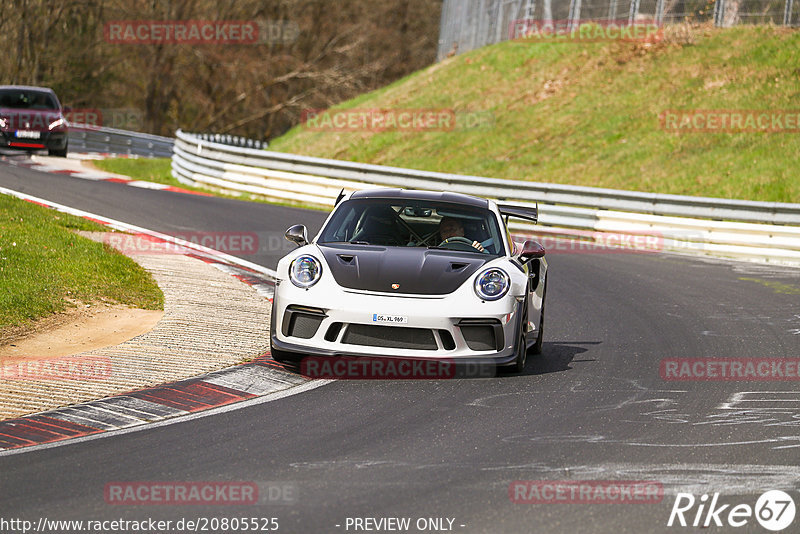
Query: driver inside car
(450, 227)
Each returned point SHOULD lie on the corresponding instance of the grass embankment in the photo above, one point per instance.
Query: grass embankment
(158, 170)
(45, 267)
(588, 114)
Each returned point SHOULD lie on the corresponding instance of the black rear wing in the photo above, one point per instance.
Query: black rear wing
(522, 212)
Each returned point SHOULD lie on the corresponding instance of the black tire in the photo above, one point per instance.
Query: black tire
(522, 346)
(57, 153)
(537, 347)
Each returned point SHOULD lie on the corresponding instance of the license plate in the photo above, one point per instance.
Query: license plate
(28, 134)
(391, 319)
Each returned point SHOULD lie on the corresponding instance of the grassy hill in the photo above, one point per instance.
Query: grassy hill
(588, 114)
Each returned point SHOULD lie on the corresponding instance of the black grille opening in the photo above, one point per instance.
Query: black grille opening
(302, 322)
(333, 331)
(304, 326)
(482, 334)
(448, 343)
(390, 337)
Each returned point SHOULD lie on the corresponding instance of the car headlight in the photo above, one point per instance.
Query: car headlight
(305, 271)
(57, 124)
(492, 284)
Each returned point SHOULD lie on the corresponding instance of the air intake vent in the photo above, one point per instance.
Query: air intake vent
(447, 340)
(302, 322)
(482, 334)
(390, 336)
(333, 331)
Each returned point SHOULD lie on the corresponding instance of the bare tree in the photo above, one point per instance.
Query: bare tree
(260, 90)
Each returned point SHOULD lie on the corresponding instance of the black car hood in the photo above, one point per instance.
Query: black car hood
(414, 270)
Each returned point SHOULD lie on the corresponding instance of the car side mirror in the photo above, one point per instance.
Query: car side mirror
(297, 234)
(530, 250)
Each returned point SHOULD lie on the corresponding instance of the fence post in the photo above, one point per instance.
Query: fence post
(660, 12)
(530, 8)
(498, 31)
(634, 11)
(482, 28)
(787, 13)
(574, 14)
(719, 12)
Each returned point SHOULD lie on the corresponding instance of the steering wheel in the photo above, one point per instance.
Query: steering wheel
(462, 242)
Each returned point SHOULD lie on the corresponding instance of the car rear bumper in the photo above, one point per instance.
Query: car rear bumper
(47, 141)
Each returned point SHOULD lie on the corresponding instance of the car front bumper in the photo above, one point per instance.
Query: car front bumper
(338, 322)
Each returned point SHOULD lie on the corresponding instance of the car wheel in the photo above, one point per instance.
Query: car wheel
(522, 347)
(537, 347)
(57, 153)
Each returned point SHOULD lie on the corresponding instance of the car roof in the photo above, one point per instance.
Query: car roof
(28, 88)
(433, 196)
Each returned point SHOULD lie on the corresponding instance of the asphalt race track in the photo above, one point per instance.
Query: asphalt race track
(594, 407)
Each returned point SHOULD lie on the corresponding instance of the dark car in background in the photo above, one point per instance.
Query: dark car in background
(31, 118)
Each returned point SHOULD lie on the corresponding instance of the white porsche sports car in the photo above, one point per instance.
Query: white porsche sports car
(399, 273)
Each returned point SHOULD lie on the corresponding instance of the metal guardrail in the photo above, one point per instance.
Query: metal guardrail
(233, 140)
(745, 229)
(86, 138)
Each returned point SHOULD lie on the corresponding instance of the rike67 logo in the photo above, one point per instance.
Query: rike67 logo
(774, 510)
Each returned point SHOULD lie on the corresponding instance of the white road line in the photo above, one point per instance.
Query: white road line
(147, 185)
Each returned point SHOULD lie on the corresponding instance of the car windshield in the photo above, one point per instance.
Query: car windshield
(415, 223)
(27, 99)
